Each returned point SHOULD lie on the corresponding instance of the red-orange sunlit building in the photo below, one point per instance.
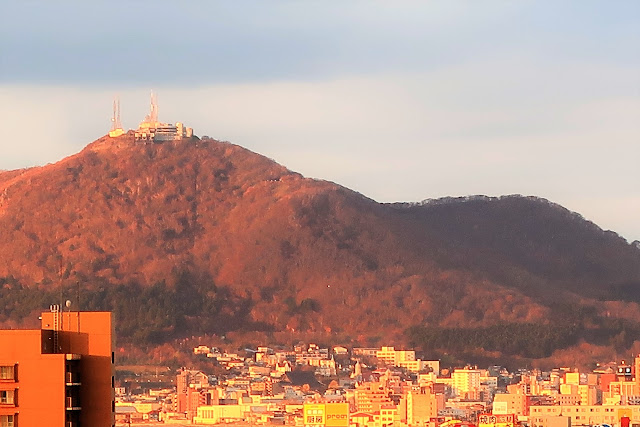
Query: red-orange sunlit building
(59, 375)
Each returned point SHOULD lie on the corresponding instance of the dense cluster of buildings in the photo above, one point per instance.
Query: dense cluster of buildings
(63, 374)
(381, 387)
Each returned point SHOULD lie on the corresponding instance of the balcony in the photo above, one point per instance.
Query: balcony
(72, 404)
(72, 378)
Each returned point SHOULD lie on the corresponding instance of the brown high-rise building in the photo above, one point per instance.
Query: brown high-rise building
(59, 375)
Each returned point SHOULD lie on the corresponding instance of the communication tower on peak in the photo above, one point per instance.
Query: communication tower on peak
(151, 119)
(152, 130)
(116, 125)
(153, 114)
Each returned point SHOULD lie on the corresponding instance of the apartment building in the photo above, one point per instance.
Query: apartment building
(510, 403)
(422, 406)
(59, 375)
(393, 357)
(466, 382)
(370, 397)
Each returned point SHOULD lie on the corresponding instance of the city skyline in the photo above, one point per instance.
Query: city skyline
(400, 103)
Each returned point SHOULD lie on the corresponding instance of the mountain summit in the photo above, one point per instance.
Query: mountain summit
(302, 255)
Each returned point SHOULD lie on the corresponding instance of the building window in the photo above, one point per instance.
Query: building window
(7, 421)
(7, 372)
(6, 397)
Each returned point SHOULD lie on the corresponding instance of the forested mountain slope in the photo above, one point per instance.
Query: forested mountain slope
(201, 236)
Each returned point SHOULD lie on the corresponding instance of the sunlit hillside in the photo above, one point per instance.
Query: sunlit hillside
(201, 236)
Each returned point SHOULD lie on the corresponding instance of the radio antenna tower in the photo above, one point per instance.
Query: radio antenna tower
(115, 120)
(153, 116)
(116, 125)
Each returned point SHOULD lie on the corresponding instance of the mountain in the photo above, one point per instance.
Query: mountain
(201, 236)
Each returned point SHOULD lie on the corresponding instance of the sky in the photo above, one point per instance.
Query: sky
(400, 101)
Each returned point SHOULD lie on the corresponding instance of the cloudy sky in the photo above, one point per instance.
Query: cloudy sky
(401, 101)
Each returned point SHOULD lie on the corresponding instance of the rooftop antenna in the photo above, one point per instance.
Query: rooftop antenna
(57, 318)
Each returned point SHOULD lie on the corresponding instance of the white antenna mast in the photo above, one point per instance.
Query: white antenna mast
(116, 124)
(154, 108)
